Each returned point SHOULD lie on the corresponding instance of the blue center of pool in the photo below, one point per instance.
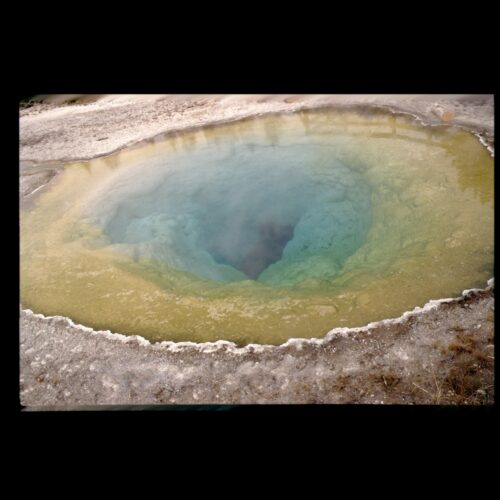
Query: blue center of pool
(255, 214)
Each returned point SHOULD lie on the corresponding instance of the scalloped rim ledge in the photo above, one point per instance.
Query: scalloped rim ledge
(224, 345)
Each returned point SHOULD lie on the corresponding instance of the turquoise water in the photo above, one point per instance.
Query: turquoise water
(261, 213)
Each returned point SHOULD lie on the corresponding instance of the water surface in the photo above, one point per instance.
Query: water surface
(261, 230)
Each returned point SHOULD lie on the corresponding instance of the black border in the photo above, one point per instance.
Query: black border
(467, 69)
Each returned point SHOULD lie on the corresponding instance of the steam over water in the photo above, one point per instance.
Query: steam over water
(228, 213)
(262, 230)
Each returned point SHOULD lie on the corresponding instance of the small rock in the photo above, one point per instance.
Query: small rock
(481, 392)
(445, 115)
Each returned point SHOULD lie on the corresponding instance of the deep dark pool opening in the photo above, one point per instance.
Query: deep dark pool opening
(268, 249)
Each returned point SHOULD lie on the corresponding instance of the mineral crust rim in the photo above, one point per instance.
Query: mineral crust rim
(225, 345)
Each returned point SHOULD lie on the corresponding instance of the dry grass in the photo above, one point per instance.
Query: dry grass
(388, 379)
(460, 374)
(466, 371)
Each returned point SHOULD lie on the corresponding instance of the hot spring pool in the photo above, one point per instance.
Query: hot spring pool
(264, 229)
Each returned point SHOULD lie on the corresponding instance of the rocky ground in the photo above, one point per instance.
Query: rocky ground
(442, 354)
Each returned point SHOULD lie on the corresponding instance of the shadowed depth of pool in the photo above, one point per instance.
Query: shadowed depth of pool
(262, 230)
